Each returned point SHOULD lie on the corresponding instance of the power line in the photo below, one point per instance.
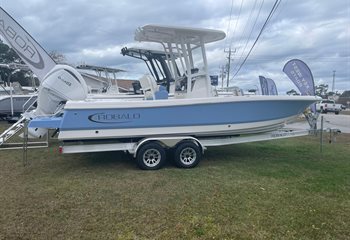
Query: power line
(228, 69)
(280, 8)
(250, 34)
(229, 25)
(261, 31)
(234, 30)
(245, 26)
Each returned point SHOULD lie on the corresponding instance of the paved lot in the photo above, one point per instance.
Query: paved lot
(336, 121)
(330, 120)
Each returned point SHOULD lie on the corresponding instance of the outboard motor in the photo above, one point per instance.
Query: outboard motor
(61, 84)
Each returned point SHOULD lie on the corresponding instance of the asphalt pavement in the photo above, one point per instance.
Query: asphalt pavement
(330, 120)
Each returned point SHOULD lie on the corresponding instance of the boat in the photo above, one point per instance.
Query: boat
(194, 118)
(103, 82)
(15, 99)
(193, 111)
(14, 105)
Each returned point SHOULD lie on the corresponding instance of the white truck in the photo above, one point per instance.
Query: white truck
(327, 105)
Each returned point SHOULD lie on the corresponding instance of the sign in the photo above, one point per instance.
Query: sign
(301, 76)
(214, 79)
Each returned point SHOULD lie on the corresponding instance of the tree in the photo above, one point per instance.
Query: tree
(252, 91)
(8, 55)
(321, 90)
(58, 57)
(292, 92)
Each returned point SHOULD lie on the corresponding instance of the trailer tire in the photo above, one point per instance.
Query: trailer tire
(150, 156)
(187, 155)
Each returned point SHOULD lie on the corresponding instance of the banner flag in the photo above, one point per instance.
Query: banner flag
(264, 85)
(271, 86)
(268, 86)
(301, 76)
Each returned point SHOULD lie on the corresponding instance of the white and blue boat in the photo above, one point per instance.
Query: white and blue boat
(214, 116)
(187, 122)
(193, 111)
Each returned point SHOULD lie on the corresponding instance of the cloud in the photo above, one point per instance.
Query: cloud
(93, 32)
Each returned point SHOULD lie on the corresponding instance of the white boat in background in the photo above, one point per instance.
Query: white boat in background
(14, 105)
(15, 99)
(106, 83)
(101, 79)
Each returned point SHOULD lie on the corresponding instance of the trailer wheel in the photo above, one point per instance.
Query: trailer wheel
(151, 156)
(187, 155)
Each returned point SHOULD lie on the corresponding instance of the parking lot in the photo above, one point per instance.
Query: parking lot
(330, 120)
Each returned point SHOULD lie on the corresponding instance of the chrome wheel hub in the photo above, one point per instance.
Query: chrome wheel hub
(151, 157)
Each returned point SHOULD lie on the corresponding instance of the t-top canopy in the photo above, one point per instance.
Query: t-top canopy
(99, 69)
(169, 34)
(144, 51)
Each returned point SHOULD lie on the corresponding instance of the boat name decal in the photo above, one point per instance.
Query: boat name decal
(65, 81)
(114, 117)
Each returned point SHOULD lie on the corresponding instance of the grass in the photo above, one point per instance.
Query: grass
(283, 189)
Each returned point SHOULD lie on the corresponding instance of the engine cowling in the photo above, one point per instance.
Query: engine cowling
(61, 84)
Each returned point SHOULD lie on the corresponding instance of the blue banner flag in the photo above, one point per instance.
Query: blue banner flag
(268, 86)
(263, 85)
(301, 76)
(272, 87)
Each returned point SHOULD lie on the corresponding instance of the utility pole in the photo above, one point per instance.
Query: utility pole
(229, 66)
(222, 76)
(333, 81)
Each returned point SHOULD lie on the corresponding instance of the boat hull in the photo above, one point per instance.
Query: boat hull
(20, 103)
(198, 117)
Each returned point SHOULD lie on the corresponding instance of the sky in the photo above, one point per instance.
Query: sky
(93, 32)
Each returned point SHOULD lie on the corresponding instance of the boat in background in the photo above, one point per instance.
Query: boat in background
(12, 106)
(101, 79)
(15, 99)
(106, 83)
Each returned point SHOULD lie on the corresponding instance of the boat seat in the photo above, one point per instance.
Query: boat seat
(148, 86)
(162, 93)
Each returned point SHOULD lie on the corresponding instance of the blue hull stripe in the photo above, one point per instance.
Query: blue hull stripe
(175, 116)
